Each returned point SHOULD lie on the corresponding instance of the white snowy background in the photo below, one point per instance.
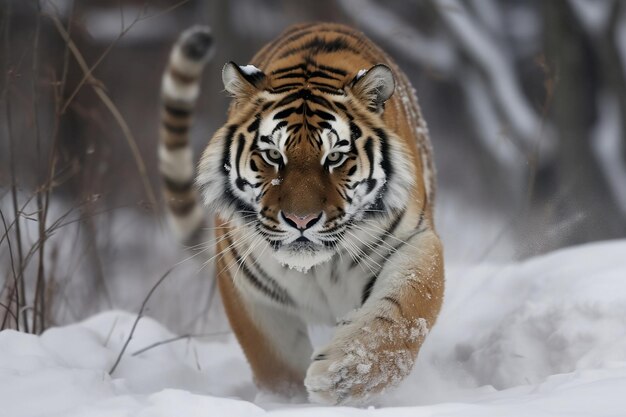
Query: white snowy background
(531, 208)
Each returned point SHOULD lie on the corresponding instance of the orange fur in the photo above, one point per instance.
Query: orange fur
(310, 76)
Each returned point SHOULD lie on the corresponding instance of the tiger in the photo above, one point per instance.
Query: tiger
(321, 186)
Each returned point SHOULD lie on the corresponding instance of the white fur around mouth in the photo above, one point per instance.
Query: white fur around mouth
(302, 256)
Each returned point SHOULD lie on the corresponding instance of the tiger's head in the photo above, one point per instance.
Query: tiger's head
(305, 157)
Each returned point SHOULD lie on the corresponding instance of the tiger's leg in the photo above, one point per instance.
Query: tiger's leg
(275, 342)
(377, 346)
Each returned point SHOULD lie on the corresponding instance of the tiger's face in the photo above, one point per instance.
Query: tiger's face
(301, 167)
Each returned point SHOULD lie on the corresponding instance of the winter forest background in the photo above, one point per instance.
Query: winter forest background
(525, 101)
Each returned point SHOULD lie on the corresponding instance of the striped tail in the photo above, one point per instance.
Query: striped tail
(179, 90)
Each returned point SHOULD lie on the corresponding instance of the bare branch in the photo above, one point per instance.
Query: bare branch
(432, 53)
(490, 130)
(139, 316)
(177, 338)
(524, 121)
(15, 279)
(106, 100)
(18, 232)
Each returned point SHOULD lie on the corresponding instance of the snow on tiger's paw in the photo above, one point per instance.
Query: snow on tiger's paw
(357, 365)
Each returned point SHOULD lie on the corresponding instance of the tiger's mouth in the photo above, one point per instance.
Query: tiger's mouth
(303, 254)
(303, 244)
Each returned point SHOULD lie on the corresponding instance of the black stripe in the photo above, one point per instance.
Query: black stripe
(229, 197)
(385, 319)
(331, 230)
(367, 290)
(323, 115)
(395, 223)
(371, 184)
(422, 215)
(318, 84)
(287, 85)
(181, 207)
(291, 75)
(279, 126)
(176, 186)
(241, 141)
(340, 106)
(272, 282)
(294, 128)
(177, 111)
(318, 45)
(287, 112)
(255, 124)
(355, 131)
(369, 151)
(275, 295)
(281, 90)
(322, 74)
(324, 125)
(289, 69)
(384, 148)
(381, 239)
(396, 303)
(289, 99)
(332, 69)
(320, 100)
(175, 129)
(267, 105)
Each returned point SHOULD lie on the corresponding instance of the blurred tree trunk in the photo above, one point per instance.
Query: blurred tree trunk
(582, 195)
(612, 65)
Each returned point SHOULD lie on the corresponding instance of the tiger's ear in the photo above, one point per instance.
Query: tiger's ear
(242, 81)
(374, 86)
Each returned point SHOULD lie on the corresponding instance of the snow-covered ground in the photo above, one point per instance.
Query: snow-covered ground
(546, 337)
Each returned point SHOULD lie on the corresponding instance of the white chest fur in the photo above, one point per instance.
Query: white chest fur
(322, 295)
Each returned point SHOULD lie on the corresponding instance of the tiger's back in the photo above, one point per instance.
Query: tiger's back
(322, 185)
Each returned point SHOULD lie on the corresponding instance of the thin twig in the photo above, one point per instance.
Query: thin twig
(21, 291)
(139, 316)
(7, 309)
(176, 338)
(106, 100)
(89, 73)
(15, 294)
(39, 299)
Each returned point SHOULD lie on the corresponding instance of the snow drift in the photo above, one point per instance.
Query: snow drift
(545, 337)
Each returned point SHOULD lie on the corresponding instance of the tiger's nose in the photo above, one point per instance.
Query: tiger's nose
(301, 222)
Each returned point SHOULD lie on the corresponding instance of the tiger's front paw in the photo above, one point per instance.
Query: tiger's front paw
(362, 361)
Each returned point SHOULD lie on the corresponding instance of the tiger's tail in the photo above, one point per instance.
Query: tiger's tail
(179, 92)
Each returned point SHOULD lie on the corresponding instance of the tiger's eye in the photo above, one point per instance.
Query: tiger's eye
(333, 157)
(274, 155)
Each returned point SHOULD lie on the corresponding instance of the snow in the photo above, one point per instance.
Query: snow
(544, 337)
(249, 69)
